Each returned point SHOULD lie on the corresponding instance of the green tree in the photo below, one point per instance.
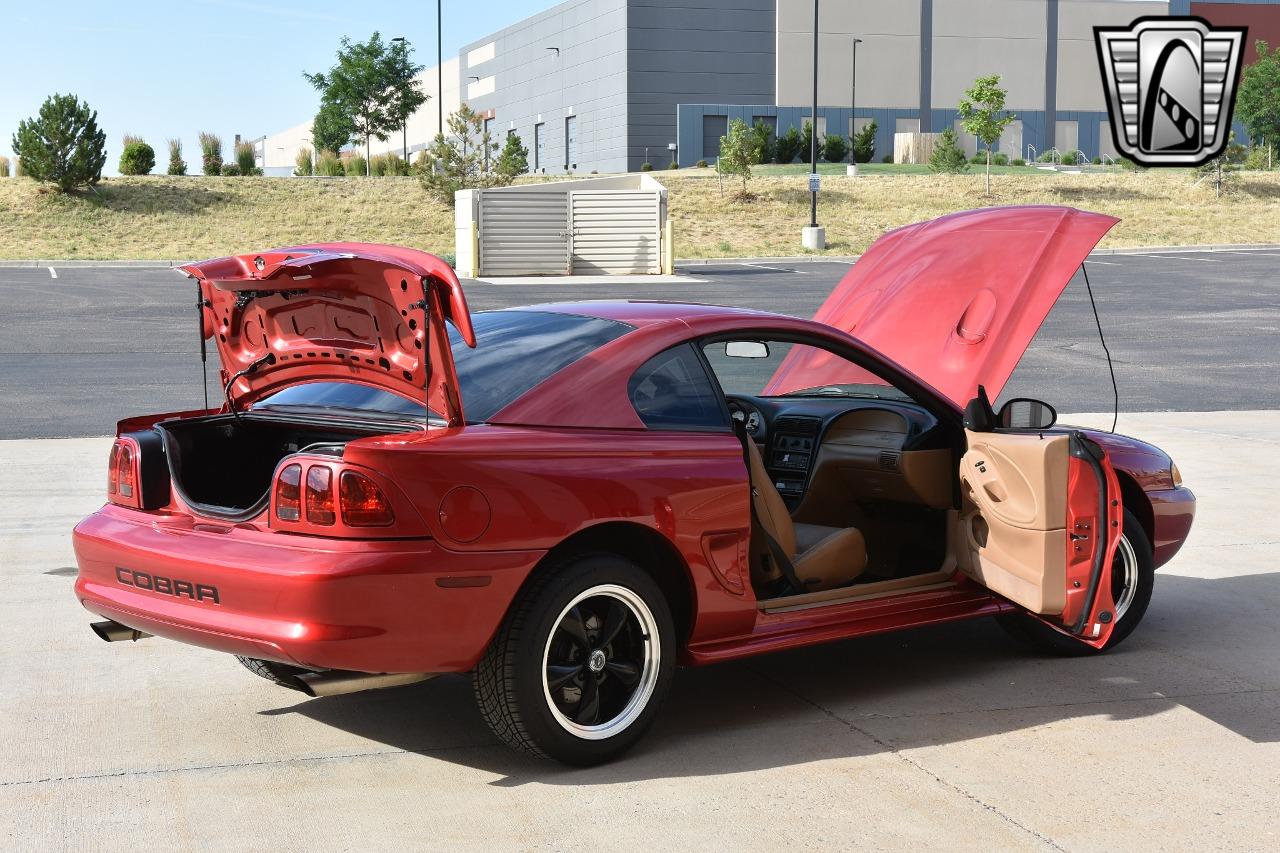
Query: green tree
(405, 92)
(981, 112)
(514, 159)
(737, 152)
(1258, 102)
(806, 141)
(62, 144)
(948, 157)
(762, 142)
(138, 158)
(331, 130)
(787, 145)
(466, 158)
(369, 86)
(864, 142)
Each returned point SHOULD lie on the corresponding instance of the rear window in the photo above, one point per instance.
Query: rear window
(515, 350)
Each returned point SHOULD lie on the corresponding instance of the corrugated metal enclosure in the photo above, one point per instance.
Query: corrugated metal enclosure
(593, 226)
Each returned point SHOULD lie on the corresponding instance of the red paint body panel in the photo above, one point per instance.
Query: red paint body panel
(955, 300)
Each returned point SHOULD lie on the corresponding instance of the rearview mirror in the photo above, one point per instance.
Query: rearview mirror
(746, 349)
(1024, 413)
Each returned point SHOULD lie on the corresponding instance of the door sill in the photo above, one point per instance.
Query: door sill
(941, 579)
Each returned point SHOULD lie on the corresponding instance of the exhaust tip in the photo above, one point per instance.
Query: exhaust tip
(114, 632)
(335, 682)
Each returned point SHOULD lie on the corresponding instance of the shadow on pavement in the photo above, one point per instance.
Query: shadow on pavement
(924, 687)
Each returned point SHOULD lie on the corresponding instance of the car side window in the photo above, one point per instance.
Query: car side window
(672, 391)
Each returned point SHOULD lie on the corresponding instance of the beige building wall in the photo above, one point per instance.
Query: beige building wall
(1005, 37)
(1079, 82)
(888, 57)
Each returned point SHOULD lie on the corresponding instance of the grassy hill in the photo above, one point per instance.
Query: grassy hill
(195, 217)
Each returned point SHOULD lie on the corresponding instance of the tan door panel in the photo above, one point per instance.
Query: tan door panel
(1014, 524)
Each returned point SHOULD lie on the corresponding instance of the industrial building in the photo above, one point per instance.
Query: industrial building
(607, 85)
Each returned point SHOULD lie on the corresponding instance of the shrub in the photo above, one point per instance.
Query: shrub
(177, 166)
(130, 139)
(378, 165)
(788, 145)
(422, 163)
(1097, 161)
(1256, 158)
(701, 164)
(138, 158)
(356, 166)
(210, 153)
(1046, 157)
(246, 159)
(1000, 159)
(62, 144)
(673, 165)
(1068, 159)
(646, 167)
(834, 148)
(888, 158)
(762, 142)
(948, 156)
(864, 143)
(978, 159)
(4, 167)
(329, 165)
(1018, 162)
(230, 170)
(303, 165)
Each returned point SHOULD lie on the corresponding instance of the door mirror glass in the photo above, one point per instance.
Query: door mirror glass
(746, 349)
(1024, 413)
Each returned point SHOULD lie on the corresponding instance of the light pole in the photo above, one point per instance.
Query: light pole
(853, 114)
(813, 237)
(404, 125)
(440, 66)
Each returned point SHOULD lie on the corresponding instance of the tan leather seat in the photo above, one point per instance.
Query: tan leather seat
(823, 557)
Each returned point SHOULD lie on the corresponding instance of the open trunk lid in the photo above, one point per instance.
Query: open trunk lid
(955, 300)
(355, 312)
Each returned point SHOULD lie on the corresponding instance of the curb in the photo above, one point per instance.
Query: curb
(1173, 250)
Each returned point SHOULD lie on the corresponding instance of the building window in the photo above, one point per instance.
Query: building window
(713, 127)
(571, 142)
(539, 147)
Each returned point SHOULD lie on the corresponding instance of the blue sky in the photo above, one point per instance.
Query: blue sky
(172, 69)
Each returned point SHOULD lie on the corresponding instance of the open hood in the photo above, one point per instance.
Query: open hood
(355, 312)
(955, 300)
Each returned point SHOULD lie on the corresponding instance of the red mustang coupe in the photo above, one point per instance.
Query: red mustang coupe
(568, 500)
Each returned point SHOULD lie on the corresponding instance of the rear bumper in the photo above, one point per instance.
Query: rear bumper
(1172, 511)
(363, 605)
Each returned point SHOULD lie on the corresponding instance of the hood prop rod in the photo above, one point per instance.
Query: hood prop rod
(201, 304)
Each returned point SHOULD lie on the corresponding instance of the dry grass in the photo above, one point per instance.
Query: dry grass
(193, 217)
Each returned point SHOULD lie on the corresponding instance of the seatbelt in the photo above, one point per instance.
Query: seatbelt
(776, 552)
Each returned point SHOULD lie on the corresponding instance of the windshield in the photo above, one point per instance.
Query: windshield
(515, 350)
(879, 392)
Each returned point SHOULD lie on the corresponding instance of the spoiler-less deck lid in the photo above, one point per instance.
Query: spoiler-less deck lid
(336, 311)
(955, 300)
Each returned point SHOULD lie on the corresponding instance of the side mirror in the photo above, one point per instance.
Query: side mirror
(746, 349)
(1024, 413)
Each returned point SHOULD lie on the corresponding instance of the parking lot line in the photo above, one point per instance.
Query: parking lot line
(53, 273)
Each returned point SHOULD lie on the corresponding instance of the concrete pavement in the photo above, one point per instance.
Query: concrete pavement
(947, 738)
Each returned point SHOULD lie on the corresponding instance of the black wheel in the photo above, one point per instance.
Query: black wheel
(578, 669)
(277, 673)
(1133, 577)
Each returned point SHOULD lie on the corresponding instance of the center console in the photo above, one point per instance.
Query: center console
(792, 450)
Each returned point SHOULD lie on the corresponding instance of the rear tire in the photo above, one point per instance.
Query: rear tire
(1133, 572)
(582, 663)
(277, 673)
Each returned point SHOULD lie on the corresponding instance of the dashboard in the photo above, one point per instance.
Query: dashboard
(836, 448)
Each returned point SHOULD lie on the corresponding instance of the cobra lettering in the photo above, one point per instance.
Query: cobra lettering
(168, 586)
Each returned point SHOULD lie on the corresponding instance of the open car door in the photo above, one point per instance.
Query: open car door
(1040, 521)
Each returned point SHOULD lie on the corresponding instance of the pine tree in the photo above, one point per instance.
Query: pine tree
(62, 145)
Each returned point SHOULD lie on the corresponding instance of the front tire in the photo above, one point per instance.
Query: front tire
(581, 665)
(1133, 578)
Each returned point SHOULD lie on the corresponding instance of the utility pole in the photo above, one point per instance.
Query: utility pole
(813, 237)
(853, 108)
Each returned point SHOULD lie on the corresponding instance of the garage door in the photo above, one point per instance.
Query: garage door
(616, 232)
(524, 233)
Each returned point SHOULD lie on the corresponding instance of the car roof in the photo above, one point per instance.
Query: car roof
(645, 312)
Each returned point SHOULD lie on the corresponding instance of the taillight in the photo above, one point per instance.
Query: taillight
(289, 493)
(363, 503)
(122, 477)
(320, 495)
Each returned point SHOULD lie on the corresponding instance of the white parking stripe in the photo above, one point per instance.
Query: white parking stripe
(1179, 258)
(773, 269)
(1262, 254)
(53, 273)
